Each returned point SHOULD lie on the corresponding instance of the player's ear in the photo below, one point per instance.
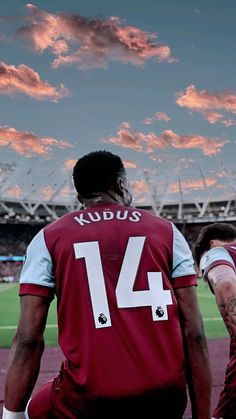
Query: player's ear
(214, 243)
(119, 187)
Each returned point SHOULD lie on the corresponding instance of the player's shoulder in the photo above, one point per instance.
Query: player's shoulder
(231, 249)
(216, 256)
(120, 212)
(61, 222)
(216, 252)
(155, 218)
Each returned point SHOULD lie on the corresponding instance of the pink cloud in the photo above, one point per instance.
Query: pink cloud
(149, 121)
(141, 200)
(139, 191)
(15, 191)
(213, 117)
(148, 143)
(69, 164)
(90, 42)
(189, 185)
(228, 122)
(208, 104)
(128, 139)
(28, 144)
(23, 79)
(171, 159)
(162, 116)
(130, 164)
(48, 191)
(126, 125)
(159, 116)
(139, 186)
(222, 174)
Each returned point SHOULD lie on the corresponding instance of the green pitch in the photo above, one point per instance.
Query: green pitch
(9, 312)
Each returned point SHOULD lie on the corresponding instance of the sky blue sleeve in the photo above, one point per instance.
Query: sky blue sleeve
(215, 256)
(183, 263)
(38, 267)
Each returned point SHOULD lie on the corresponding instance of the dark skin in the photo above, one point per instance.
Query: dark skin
(28, 344)
(24, 362)
(196, 352)
(26, 352)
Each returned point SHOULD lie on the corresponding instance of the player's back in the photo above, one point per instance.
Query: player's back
(117, 313)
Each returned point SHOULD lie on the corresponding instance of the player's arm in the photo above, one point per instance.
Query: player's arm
(223, 281)
(37, 284)
(26, 352)
(196, 352)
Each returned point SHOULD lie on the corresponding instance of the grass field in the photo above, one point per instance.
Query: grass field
(9, 311)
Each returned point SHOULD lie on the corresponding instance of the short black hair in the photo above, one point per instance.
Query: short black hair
(97, 172)
(215, 231)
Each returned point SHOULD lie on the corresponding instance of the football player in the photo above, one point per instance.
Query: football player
(129, 323)
(215, 252)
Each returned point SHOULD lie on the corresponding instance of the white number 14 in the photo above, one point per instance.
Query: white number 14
(155, 297)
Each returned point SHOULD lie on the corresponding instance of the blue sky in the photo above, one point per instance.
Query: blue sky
(153, 82)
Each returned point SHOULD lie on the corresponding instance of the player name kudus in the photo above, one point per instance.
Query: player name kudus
(94, 217)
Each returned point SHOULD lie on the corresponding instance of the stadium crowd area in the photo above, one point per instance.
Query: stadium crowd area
(14, 239)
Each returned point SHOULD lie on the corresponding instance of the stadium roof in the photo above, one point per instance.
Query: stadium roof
(34, 180)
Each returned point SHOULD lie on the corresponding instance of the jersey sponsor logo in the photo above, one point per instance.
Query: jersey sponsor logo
(94, 217)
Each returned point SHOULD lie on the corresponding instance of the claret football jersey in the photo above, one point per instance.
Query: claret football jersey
(113, 270)
(225, 255)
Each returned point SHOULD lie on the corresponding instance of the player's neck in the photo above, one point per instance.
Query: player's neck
(102, 198)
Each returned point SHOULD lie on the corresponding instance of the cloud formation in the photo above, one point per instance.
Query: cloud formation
(90, 42)
(69, 164)
(159, 116)
(27, 143)
(139, 191)
(139, 186)
(130, 164)
(23, 79)
(228, 122)
(150, 142)
(210, 105)
(190, 185)
(162, 116)
(15, 191)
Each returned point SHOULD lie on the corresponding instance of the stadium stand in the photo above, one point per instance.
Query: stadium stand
(20, 221)
(14, 239)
